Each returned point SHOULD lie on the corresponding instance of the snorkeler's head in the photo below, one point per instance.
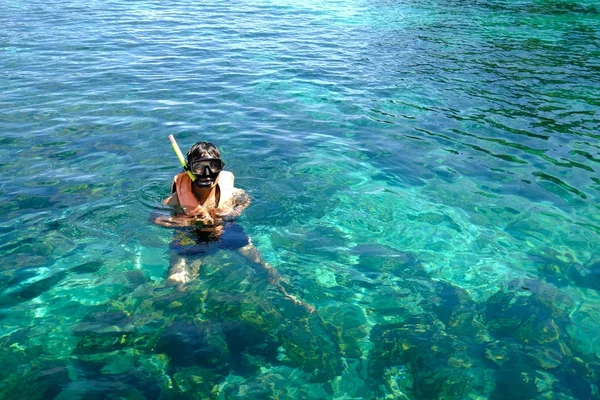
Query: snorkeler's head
(204, 161)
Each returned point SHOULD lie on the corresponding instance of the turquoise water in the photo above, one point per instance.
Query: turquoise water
(424, 173)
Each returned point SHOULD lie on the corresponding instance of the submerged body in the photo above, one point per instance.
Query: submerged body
(205, 210)
(207, 213)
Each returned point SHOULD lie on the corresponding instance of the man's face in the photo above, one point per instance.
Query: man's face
(206, 170)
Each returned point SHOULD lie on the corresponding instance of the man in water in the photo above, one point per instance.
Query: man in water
(207, 207)
(208, 199)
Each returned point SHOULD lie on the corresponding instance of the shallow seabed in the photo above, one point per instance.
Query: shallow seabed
(424, 173)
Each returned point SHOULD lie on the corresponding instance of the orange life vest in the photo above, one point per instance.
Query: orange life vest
(183, 185)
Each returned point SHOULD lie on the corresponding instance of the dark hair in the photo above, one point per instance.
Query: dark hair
(202, 150)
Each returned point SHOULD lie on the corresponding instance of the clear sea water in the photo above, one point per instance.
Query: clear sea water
(424, 173)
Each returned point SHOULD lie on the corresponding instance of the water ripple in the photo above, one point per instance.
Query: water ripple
(414, 166)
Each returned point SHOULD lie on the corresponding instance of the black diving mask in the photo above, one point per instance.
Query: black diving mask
(206, 170)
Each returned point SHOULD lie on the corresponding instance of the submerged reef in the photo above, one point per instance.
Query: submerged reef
(232, 335)
(515, 345)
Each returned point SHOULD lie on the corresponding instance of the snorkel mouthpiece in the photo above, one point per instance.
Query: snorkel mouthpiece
(204, 183)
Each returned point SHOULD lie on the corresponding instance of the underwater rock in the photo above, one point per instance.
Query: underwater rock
(258, 312)
(19, 262)
(579, 379)
(261, 315)
(166, 299)
(398, 382)
(531, 312)
(545, 358)
(120, 362)
(516, 382)
(94, 343)
(20, 335)
(88, 267)
(438, 365)
(380, 259)
(41, 379)
(251, 349)
(28, 291)
(552, 266)
(100, 389)
(511, 352)
(197, 383)
(104, 331)
(134, 278)
(106, 363)
(18, 275)
(51, 378)
(524, 229)
(149, 328)
(190, 343)
(20, 346)
(391, 343)
(109, 323)
(540, 371)
(535, 356)
(224, 306)
(392, 305)
(351, 322)
(155, 368)
(455, 309)
(435, 303)
(312, 344)
(529, 372)
(278, 382)
(500, 352)
(265, 386)
(588, 277)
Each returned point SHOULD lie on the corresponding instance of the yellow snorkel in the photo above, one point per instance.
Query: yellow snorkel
(180, 156)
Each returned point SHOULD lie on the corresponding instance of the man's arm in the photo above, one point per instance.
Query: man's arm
(172, 200)
(181, 220)
(234, 207)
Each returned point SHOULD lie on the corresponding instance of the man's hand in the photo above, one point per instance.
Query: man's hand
(219, 214)
(200, 216)
(173, 222)
(204, 219)
(184, 220)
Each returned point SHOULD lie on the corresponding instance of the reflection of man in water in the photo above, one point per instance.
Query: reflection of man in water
(207, 207)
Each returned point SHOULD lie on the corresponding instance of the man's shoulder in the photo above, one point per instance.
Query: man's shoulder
(230, 195)
(226, 180)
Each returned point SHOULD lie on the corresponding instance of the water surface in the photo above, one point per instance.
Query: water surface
(424, 173)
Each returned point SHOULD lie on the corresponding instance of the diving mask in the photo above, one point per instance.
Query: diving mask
(206, 171)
